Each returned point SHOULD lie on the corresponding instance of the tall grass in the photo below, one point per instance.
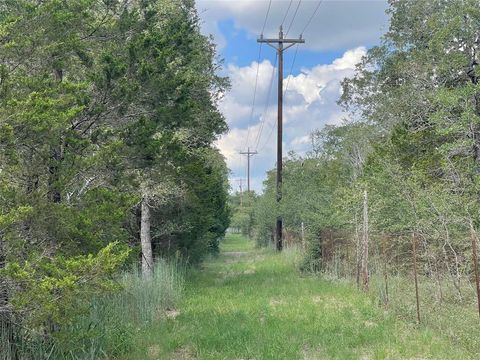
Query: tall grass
(109, 327)
(444, 308)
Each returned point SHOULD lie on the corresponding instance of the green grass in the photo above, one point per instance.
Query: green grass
(236, 242)
(254, 304)
(453, 317)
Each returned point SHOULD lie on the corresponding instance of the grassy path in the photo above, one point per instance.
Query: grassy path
(253, 304)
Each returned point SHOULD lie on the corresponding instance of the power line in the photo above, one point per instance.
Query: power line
(288, 9)
(256, 75)
(291, 69)
(262, 122)
(293, 62)
(311, 17)
(293, 18)
(249, 155)
(247, 166)
(254, 95)
(271, 82)
(284, 91)
(265, 110)
(266, 16)
(269, 136)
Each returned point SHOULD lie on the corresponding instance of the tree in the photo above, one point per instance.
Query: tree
(108, 115)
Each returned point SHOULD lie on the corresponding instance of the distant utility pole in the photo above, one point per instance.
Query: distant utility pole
(280, 49)
(249, 154)
(240, 181)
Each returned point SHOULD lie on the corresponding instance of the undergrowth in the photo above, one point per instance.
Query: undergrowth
(444, 308)
(109, 327)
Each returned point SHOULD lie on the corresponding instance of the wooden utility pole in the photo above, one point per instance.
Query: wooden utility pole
(249, 154)
(280, 48)
(240, 181)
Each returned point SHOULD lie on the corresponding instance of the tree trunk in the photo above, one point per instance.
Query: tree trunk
(475, 263)
(414, 254)
(3, 282)
(358, 253)
(54, 194)
(385, 267)
(303, 236)
(364, 254)
(439, 282)
(6, 325)
(145, 238)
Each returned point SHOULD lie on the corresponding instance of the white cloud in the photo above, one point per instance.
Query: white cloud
(337, 24)
(310, 103)
(230, 145)
(237, 112)
(301, 140)
(322, 79)
(243, 78)
(349, 59)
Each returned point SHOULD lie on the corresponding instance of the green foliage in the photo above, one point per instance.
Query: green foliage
(201, 211)
(320, 190)
(14, 215)
(111, 322)
(56, 289)
(414, 150)
(242, 208)
(102, 103)
(265, 213)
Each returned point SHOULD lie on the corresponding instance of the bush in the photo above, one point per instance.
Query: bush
(108, 327)
(52, 291)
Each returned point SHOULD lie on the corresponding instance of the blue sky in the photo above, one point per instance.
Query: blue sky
(338, 36)
(241, 49)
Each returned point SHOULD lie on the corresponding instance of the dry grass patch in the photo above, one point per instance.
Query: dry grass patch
(153, 352)
(276, 302)
(183, 353)
(310, 353)
(171, 313)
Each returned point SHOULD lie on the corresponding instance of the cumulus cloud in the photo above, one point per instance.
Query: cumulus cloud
(301, 140)
(310, 103)
(322, 80)
(238, 103)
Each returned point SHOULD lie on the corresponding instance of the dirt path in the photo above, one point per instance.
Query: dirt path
(254, 304)
(234, 253)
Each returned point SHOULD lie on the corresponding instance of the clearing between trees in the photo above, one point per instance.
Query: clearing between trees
(254, 304)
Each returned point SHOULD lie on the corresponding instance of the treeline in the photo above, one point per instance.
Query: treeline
(242, 205)
(108, 112)
(405, 169)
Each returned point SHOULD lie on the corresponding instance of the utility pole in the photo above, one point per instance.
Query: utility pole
(249, 154)
(240, 181)
(280, 48)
